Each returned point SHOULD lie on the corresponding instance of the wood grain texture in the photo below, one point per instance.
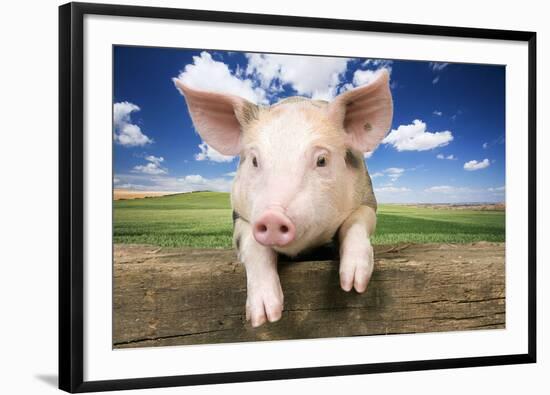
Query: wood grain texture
(194, 296)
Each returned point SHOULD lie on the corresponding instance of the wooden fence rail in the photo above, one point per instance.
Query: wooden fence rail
(190, 296)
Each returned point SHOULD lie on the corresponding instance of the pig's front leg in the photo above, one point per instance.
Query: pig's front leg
(264, 299)
(356, 253)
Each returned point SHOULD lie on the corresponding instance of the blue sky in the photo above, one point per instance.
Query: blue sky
(446, 143)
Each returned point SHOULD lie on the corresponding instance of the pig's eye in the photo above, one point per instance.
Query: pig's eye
(321, 161)
(254, 162)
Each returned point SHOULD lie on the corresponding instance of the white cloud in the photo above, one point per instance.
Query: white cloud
(475, 165)
(127, 133)
(391, 189)
(448, 157)
(133, 187)
(363, 77)
(209, 153)
(497, 190)
(414, 137)
(266, 75)
(122, 111)
(379, 63)
(231, 174)
(267, 68)
(463, 194)
(205, 73)
(499, 140)
(452, 190)
(368, 154)
(188, 183)
(438, 66)
(154, 159)
(151, 168)
(194, 179)
(389, 193)
(315, 77)
(443, 189)
(394, 173)
(196, 182)
(438, 113)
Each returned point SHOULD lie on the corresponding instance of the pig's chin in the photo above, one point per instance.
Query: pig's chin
(291, 249)
(303, 242)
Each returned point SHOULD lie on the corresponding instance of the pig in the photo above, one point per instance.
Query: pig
(301, 180)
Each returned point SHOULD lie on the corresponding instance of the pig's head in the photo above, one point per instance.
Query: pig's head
(301, 170)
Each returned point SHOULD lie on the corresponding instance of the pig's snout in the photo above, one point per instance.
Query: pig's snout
(273, 228)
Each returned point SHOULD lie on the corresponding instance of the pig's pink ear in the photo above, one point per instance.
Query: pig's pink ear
(218, 117)
(366, 113)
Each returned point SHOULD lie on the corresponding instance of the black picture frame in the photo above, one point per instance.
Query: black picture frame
(71, 181)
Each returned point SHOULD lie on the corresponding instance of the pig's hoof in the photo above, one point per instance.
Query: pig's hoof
(263, 304)
(356, 269)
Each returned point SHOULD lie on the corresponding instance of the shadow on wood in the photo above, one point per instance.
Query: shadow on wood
(195, 296)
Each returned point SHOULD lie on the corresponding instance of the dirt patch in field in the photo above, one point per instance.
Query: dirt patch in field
(123, 194)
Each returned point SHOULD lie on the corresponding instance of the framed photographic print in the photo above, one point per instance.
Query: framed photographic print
(251, 197)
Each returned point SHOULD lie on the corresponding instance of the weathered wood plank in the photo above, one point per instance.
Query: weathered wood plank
(187, 296)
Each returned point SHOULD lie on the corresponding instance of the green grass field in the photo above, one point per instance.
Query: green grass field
(203, 219)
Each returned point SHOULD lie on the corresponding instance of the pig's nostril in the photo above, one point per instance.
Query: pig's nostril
(283, 229)
(262, 228)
